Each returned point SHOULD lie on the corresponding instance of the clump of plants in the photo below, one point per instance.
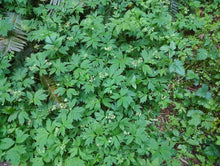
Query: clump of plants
(100, 82)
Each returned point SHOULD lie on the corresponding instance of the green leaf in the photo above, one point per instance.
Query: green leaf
(126, 101)
(5, 26)
(148, 57)
(115, 96)
(40, 34)
(50, 126)
(60, 91)
(147, 69)
(116, 142)
(172, 45)
(39, 96)
(22, 116)
(155, 161)
(164, 48)
(151, 84)
(196, 117)
(99, 115)
(109, 160)
(74, 161)
(194, 142)
(76, 113)
(153, 144)
(4, 86)
(89, 136)
(212, 150)
(72, 103)
(51, 39)
(71, 92)
(20, 136)
(14, 154)
(218, 140)
(176, 132)
(130, 138)
(20, 74)
(73, 151)
(30, 97)
(166, 150)
(6, 143)
(177, 67)
(37, 161)
(202, 54)
(204, 92)
(58, 67)
(101, 140)
(41, 137)
(107, 102)
(13, 116)
(191, 75)
(192, 113)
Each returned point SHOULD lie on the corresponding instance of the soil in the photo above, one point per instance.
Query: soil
(4, 164)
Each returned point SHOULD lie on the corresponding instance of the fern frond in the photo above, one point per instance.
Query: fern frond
(174, 8)
(56, 2)
(50, 86)
(16, 40)
(12, 43)
(62, 3)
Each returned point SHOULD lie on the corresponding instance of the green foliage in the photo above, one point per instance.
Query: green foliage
(103, 82)
(203, 92)
(5, 26)
(6, 143)
(14, 41)
(177, 67)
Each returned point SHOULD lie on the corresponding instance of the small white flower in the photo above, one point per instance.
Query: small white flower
(134, 63)
(110, 140)
(63, 146)
(108, 48)
(56, 131)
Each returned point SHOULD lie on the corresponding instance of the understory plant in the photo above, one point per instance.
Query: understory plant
(100, 82)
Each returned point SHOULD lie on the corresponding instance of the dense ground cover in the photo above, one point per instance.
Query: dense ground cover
(104, 82)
